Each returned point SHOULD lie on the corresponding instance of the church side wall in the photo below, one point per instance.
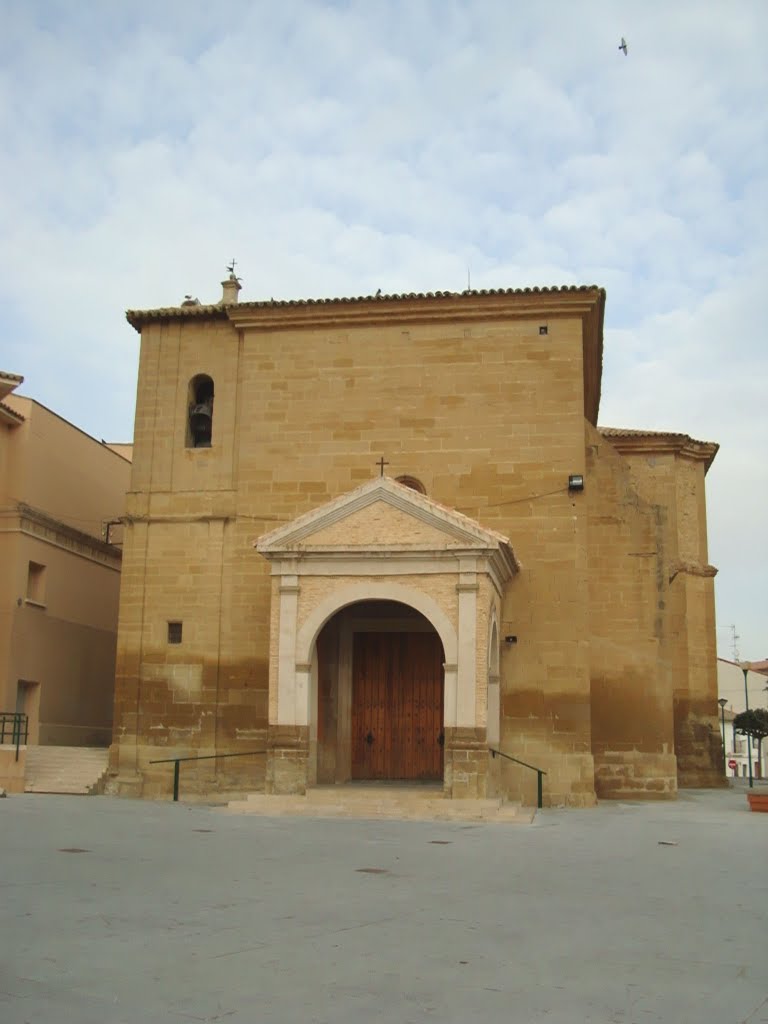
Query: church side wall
(488, 416)
(632, 710)
(678, 482)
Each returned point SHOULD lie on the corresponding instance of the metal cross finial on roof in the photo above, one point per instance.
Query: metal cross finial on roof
(381, 464)
(231, 268)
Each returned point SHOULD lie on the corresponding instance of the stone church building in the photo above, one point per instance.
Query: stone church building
(381, 538)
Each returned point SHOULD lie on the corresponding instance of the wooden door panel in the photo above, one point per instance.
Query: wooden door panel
(397, 702)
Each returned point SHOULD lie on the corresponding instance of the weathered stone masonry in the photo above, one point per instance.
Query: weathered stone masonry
(283, 526)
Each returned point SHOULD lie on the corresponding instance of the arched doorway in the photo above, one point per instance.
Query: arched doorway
(380, 695)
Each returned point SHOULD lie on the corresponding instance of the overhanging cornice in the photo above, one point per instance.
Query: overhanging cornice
(640, 442)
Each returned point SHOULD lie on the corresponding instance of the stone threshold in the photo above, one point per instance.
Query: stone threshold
(386, 801)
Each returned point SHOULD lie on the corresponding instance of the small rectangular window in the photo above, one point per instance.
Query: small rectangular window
(174, 632)
(36, 583)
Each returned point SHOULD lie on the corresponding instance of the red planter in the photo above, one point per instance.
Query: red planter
(758, 802)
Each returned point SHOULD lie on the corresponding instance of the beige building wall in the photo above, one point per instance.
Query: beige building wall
(59, 593)
(484, 412)
(631, 695)
(670, 471)
(483, 399)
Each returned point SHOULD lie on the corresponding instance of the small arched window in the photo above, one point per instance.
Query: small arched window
(412, 482)
(200, 416)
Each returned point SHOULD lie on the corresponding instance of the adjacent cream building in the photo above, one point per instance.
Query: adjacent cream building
(738, 682)
(381, 538)
(60, 582)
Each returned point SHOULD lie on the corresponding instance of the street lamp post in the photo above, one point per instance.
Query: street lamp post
(745, 667)
(722, 702)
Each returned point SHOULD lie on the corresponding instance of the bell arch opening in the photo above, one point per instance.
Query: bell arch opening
(200, 412)
(379, 695)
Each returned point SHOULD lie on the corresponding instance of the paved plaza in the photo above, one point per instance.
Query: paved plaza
(127, 912)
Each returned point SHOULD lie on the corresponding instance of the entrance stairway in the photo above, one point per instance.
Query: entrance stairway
(382, 801)
(76, 770)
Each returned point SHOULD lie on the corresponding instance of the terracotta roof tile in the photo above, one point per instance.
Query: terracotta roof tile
(219, 310)
(667, 440)
(629, 432)
(11, 412)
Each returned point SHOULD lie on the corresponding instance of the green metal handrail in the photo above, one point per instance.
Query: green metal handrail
(19, 728)
(203, 757)
(539, 772)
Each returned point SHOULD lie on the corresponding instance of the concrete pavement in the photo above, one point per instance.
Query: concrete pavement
(624, 914)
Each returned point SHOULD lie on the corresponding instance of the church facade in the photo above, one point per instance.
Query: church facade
(385, 539)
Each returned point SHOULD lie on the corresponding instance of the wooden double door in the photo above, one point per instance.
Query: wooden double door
(397, 706)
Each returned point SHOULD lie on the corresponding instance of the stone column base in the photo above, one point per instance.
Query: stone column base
(11, 770)
(466, 763)
(287, 759)
(125, 785)
(633, 775)
(699, 748)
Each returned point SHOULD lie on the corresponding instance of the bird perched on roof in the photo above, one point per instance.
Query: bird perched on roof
(378, 293)
(623, 46)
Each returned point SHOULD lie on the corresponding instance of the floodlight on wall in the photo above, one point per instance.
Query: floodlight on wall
(576, 482)
(510, 639)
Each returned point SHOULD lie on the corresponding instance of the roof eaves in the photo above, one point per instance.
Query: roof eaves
(632, 440)
(10, 414)
(137, 317)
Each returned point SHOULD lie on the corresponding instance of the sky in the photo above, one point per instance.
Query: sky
(334, 147)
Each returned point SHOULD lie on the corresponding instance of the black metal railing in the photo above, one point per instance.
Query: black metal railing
(176, 761)
(539, 773)
(14, 728)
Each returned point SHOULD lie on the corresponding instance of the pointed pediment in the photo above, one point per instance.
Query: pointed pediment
(383, 515)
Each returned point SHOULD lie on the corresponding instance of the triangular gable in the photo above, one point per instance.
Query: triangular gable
(361, 518)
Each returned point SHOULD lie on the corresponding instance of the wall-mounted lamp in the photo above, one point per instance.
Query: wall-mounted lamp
(576, 482)
(510, 639)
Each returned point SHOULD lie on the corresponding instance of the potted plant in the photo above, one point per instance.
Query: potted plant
(754, 723)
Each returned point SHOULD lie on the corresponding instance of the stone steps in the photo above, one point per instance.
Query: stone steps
(79, 771)
(403, 803)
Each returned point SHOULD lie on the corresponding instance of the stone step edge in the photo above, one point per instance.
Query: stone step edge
(80, 785)
(64, 759)
(297, 806)
(60, 790)
(503, 816)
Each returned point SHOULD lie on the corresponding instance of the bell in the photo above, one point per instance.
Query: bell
(201, 424)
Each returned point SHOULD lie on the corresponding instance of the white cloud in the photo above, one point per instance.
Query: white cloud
(335, 148)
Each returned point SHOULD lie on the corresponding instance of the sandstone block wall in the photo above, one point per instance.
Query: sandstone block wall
(674, 480)
(488, 412)
(488, 416)
(630, 640)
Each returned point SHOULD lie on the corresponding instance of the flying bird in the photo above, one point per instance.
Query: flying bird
(623, 46)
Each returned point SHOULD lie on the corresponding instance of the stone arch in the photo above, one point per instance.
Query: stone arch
(200, 394)
(412, 482)
(377, 591)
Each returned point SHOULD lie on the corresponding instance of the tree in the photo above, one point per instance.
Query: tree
(753, 723)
